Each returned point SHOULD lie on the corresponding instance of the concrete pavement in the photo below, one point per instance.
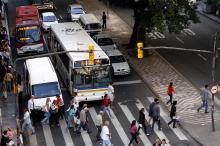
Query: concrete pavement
(157, 73)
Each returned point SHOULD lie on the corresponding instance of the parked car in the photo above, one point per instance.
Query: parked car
(118, 62)
(75, 11)
(47, 19)
(105, 41)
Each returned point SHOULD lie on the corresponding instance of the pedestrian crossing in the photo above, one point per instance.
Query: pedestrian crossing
(123, 114)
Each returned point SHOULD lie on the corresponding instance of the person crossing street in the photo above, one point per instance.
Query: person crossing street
(142, 121)
(173, 114)
(204, 97)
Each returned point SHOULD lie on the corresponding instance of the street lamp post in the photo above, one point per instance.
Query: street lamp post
(214, 56)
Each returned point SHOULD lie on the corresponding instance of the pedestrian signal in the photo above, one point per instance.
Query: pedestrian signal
(91, 53)
(140, 53)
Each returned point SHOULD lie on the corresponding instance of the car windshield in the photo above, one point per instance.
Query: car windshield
(93, 26)
(76, 11)
(46, 90)
(105, 41)
(49, 19)
(28, 34)
(117, 59)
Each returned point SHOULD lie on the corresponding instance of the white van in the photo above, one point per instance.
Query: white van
(40, 80)
(90, 23)
(119, 64)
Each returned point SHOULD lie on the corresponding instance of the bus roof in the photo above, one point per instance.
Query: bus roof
(73, 37)
(41, 70)
(26, 15)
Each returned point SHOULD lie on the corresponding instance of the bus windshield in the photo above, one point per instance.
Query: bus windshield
(46, 90)
(28, 34)
(92, 77)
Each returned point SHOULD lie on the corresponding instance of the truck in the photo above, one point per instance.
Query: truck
(44, 5)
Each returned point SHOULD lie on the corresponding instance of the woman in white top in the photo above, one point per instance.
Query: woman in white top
(46, 110)
(105, 135)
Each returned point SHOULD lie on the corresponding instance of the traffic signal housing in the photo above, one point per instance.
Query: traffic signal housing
(140, 53)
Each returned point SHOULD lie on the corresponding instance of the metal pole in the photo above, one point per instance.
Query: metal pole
(213, 80)
(108, 9)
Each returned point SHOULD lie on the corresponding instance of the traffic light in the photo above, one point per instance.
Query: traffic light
(91, 53)
(140, 53)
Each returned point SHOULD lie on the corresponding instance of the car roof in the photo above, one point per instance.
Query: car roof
(48, 14)
(114, 52)
(75, 6)
(102, 36)
(89, 18)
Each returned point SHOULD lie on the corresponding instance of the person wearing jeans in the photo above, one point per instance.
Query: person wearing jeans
(106, 105)
(204, 97)
(156, 115)
(106, 135)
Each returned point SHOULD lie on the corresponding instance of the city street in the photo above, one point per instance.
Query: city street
(131, 91)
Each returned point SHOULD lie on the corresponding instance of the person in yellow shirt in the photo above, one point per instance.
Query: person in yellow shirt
(8, 79)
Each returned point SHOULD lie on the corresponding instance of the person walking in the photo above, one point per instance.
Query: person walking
(8, 80)
(60, 105)
(150, 111)
(99, 124)
(70, 116)
(156, 115)
(31, 109)
(170, 91)
(164, 143)
(173, 114)
(204, 97)
(54, 114)
(111, 92)
(157, 142)
(106, 105)
(83, 120)
(141, 120)
(134, 132)
(27, 122)
(105, 134)
(46, 110)
(104, 19)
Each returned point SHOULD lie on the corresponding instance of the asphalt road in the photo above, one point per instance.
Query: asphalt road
(128, 90)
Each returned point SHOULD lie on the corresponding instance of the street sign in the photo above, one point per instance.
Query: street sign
(214, 89)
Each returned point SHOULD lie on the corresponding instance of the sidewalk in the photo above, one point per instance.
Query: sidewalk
(8, 107)
(157, 73)
(210, 16)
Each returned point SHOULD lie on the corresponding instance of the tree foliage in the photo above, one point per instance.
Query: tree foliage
(171, 15)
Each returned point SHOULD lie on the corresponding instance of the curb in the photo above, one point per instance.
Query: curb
(203, 14)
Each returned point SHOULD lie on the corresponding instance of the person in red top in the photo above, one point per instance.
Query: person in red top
(170, 91)
(106, 105)
(134, 132)
(60, 104)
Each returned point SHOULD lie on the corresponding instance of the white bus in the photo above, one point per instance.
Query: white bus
(40, 80)
(90, 79)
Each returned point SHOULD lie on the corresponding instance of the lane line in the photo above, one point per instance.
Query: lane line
(48, 135)
(116, 124)
(202, 57)
(159, 133)
(166, 118)
(130, 118)
(66, 134)
(128, 82)
(180, 40)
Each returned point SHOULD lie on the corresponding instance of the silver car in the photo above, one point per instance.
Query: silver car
(105, 42)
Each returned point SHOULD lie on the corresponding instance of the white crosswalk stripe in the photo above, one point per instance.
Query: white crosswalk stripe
(166, 118)
(130, 118)
(48, 135)
(160, 134)
(66, 133)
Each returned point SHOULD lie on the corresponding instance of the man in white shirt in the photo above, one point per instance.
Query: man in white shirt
(31, 109)
(99, 124)
(111, 92)
(105, 135)
(27, 122)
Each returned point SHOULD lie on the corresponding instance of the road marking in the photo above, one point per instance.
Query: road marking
(48, 135)
(166, 118)
(160, 134)
(128, 82)
(66, 134)
(202, 57)
(116, 124)
(130, 118)
(180, 40)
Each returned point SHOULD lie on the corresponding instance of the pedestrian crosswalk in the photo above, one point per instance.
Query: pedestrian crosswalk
(123, 114)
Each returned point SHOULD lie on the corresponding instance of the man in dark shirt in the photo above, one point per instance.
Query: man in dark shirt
(104, 20)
